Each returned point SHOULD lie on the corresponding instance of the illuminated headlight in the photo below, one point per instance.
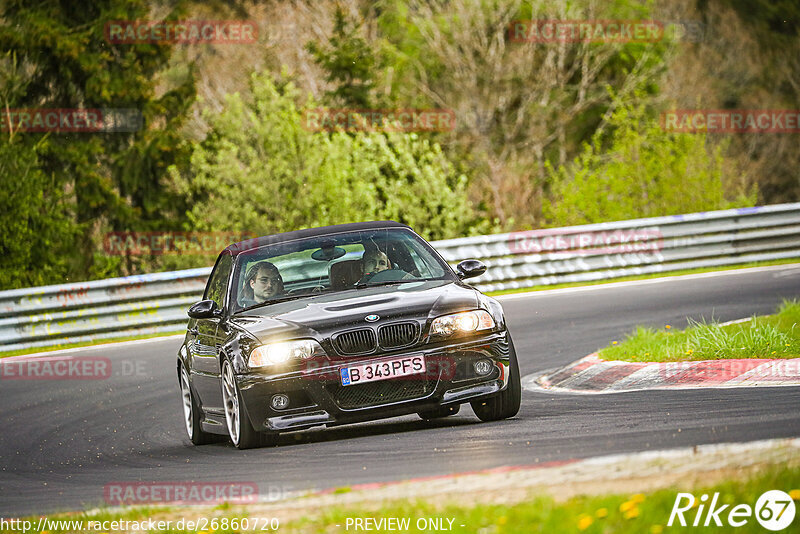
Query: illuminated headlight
(471, 321)
(278, 353)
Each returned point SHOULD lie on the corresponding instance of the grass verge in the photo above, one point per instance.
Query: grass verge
(612, 513)
(638, 513)
(769, 336)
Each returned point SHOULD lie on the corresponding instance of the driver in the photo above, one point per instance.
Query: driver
(374, 261)
(264, 281)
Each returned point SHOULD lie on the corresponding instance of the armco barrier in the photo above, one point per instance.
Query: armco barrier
(100, 309)
(154, 303)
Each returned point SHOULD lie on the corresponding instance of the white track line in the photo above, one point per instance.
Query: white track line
(103, 346)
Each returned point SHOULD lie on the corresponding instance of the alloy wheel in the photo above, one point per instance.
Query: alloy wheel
(231, 398)
(186, 394)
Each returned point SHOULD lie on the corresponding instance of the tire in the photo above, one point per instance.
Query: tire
(438, 413)
(191, 412)
(240, 431)
(506, 403)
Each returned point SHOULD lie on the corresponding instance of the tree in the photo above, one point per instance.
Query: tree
(36, 223)
(349, 62)
(115, 179)
(36, 219)
(518, 104)
(261, 170)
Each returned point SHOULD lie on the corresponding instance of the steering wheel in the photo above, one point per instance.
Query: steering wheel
(307, 290)
(389, 275)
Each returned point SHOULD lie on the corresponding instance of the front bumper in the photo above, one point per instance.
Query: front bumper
(316, 396)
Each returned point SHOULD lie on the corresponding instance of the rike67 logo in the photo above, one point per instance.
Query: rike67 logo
(774, 510)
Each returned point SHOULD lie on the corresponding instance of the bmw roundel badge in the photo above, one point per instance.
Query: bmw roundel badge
(372, 318)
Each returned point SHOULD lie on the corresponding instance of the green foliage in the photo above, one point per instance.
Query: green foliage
(641, 171)
(517, 106)
(262, 170)
(115, 180)
(770, 336)
(349, 62)
(35, 223)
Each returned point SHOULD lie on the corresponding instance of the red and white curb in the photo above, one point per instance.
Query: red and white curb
(594, 375)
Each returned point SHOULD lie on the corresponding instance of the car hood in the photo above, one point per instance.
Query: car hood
(320, 316)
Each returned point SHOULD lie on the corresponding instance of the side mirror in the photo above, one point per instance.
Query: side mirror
(205, 309)
(470, 269)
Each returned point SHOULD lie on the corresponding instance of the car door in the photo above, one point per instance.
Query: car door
(205, 364)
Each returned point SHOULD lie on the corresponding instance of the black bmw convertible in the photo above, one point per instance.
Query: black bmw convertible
(337, 325)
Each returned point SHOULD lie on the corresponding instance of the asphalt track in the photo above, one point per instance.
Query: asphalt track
(63, 441)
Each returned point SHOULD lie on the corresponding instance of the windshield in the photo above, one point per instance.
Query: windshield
(330, 263)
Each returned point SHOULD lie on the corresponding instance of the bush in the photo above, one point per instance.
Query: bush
(36, 222)
(643, 172)
(260, 171)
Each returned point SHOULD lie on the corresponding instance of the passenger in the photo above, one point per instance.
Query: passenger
(264, 282)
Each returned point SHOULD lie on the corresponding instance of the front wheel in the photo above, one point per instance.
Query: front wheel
(506, 403)
(241, 432)
(191, 413)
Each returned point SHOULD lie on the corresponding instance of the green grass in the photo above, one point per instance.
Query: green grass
(22, 352)
(638, 513)
(646, 276)
(770, 336)
(617, 513)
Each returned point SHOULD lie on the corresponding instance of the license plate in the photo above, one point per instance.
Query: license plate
(383, 370)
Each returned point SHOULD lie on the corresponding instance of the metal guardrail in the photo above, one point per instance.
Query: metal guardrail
(100, 309)
(157, 303)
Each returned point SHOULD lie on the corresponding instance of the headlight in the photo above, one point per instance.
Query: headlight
(278, 353)
(471, 321)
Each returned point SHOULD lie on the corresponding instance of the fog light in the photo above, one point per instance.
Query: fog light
(280, 401)
(482, 367)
